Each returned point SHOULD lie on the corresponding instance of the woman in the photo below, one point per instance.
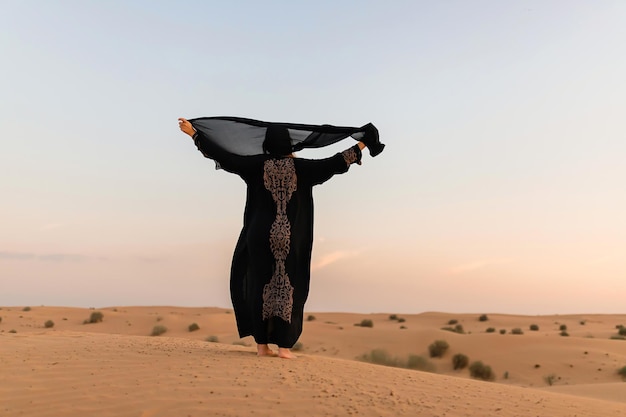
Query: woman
(270, 271)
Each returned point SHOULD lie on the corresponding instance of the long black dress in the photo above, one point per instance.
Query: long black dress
(270, 271)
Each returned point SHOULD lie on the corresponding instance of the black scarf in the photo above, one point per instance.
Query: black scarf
(242, 136)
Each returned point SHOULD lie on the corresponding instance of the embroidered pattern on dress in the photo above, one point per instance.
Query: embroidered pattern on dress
(279, 177)
(350, 156)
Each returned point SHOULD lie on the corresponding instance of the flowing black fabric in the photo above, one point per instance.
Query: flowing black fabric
(270, 270)
(241, 136)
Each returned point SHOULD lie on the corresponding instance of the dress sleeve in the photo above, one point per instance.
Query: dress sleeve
(229, 162)
(318, 171)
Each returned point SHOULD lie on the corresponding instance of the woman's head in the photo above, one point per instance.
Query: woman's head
(277, 141)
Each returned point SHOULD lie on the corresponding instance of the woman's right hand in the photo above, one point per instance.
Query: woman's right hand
(186, 126)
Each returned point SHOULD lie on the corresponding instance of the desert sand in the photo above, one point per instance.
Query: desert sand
(115, 368)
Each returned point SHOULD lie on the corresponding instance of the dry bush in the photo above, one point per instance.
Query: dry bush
(534, 327)
(490, 330)
(438, 348)
(212, 339)
(550, 379)
(366, 323)
(452, 322)
(622, 372)
(26, 309)
(158, 330)
(193, 327)
(48, 324)
(483, 317)
(382, 357)
(420, 363)
(95, 317)
(310, 317)
(479, 370)
(459, 361)
(456, 329)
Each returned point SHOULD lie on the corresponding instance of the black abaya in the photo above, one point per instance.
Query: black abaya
(270, 271)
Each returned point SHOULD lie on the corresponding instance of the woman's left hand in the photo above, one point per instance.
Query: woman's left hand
(186, 127)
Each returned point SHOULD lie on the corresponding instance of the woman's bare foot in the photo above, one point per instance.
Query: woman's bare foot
(285, 353)
(264, 350)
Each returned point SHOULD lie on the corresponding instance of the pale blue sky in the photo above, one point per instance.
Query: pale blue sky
(501, 189)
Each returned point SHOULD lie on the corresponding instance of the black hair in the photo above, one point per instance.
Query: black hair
(277, 141)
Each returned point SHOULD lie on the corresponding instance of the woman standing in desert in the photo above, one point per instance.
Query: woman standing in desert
(270, 271)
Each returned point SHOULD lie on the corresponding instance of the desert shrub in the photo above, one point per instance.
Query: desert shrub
(490, 330)
(517, 330)
(583, 322)
(159, 318)
(622, 331)
(479, 370)
(550, 379)
(0, 319)
(460, 361)
(401, 320)
(534, 327)
(618, 337)
(310, 317)
(562, 327)
(438, 348)
(297, 347)
(483, 317)
(506, 375)
(158, 330)
(380, 357)
(393, 317)
(48, 324)
(402, 327)
(95, 317)
(452, 322)
(502, 331)
(564, 333)
(193, 327)
(366, 323)
(456, 329)
(12, 331)
(212, 339)
(420, 363)
(26, 309)
(622, 372)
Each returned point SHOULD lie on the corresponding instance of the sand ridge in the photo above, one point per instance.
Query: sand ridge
(114, 368)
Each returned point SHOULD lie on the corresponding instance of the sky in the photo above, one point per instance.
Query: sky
(501, 189)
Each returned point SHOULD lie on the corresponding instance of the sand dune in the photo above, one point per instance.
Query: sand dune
(114, 368)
